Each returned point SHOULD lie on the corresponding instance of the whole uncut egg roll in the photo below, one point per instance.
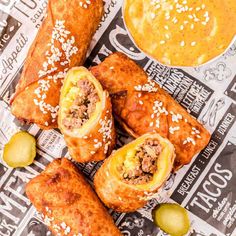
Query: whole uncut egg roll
(61, 43)
(134, 173)
(85, 117)
(141, 106)
(67, 202)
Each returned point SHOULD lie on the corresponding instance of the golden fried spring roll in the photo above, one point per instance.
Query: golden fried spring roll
(67, 202)
(61, 43)
(134, 173)
(85, 116)
(141, 106)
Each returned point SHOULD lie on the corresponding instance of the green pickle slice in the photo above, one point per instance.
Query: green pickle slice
(20, 151)
(172, 219)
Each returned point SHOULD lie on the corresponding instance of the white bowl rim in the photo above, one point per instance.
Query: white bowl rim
(173, 66)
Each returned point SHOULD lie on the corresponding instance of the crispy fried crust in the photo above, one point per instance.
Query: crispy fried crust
(135, 109)
(100, 138)
(86, 149)
(80, 24)
(125, 197)
(68, 203)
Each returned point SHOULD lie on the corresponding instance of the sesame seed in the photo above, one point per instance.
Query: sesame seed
(166, 27)
(182, 43)
(153, 15)
(193, 43)
(181, 27)
(162, 42)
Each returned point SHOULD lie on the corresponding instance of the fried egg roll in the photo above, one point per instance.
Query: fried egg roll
(67, 202)
(141, 106)
(85, 117)
(134, 173)
(61, 43)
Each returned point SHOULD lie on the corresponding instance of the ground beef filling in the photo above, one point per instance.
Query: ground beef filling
(146, 158)
(83, 106)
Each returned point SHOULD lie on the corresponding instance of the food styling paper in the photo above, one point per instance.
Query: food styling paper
(206, 187)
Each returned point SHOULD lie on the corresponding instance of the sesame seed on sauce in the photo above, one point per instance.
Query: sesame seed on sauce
(182, 43)
(173, 13)
(153, 15)
(55, 55)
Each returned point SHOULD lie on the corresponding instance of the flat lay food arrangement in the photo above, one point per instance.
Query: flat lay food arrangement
(57, 91)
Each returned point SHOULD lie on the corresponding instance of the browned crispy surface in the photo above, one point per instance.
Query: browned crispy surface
(127, 197)
(68, 203)
(87, 148)
(81, 23)
(135, 109)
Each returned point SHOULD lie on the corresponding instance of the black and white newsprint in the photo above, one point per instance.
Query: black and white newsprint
(206, 187)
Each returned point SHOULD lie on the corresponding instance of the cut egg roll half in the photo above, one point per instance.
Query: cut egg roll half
(133, 174)
(85, 117)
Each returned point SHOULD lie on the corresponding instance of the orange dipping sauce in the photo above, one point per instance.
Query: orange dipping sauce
(181, 32)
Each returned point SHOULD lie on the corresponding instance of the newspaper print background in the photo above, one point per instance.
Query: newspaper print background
(206, 187)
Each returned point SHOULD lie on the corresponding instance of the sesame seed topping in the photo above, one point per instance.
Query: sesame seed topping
(60, 35)
(173, 129)
(166, 27)
(149, 87)
(106, 131)
(153, 15)
(193, 15)
(182, 43)
(193, 43)
(189, 140)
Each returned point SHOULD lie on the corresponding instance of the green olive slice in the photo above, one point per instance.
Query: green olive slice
(172, 219)
(20, 151)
